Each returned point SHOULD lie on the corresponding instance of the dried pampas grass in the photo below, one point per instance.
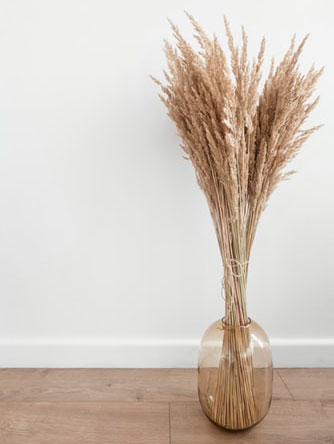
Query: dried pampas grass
(239, 141)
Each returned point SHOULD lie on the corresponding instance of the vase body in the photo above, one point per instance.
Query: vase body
(235, 374)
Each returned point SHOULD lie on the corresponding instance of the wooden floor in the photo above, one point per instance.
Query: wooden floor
(125, 406)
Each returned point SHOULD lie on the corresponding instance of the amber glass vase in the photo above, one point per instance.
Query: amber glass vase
(235, 374)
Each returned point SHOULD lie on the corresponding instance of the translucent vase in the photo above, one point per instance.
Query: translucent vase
(235, 374)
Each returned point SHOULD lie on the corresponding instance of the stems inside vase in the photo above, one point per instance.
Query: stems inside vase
(234, 405)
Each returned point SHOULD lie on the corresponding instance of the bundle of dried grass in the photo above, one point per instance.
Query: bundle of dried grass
(239, 141)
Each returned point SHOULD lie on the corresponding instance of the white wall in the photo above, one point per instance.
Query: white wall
(107, 252)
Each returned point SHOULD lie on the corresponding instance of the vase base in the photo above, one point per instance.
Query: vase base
(227, 429)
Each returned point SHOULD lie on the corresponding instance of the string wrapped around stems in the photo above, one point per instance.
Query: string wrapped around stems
(224, 281)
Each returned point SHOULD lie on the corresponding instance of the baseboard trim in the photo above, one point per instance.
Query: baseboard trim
(144, 353)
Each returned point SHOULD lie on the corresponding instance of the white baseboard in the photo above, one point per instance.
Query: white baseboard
(143, 353)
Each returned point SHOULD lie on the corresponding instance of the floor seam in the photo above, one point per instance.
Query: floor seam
(169, 428)
(285, 385)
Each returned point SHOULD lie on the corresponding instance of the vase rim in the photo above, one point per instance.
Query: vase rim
(225, 325)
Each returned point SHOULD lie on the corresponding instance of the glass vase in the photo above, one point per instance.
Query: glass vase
(235, 374)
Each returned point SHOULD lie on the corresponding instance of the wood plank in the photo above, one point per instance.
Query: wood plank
(288, 422)
(128, 385)
(84, 423)
(309, 383)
